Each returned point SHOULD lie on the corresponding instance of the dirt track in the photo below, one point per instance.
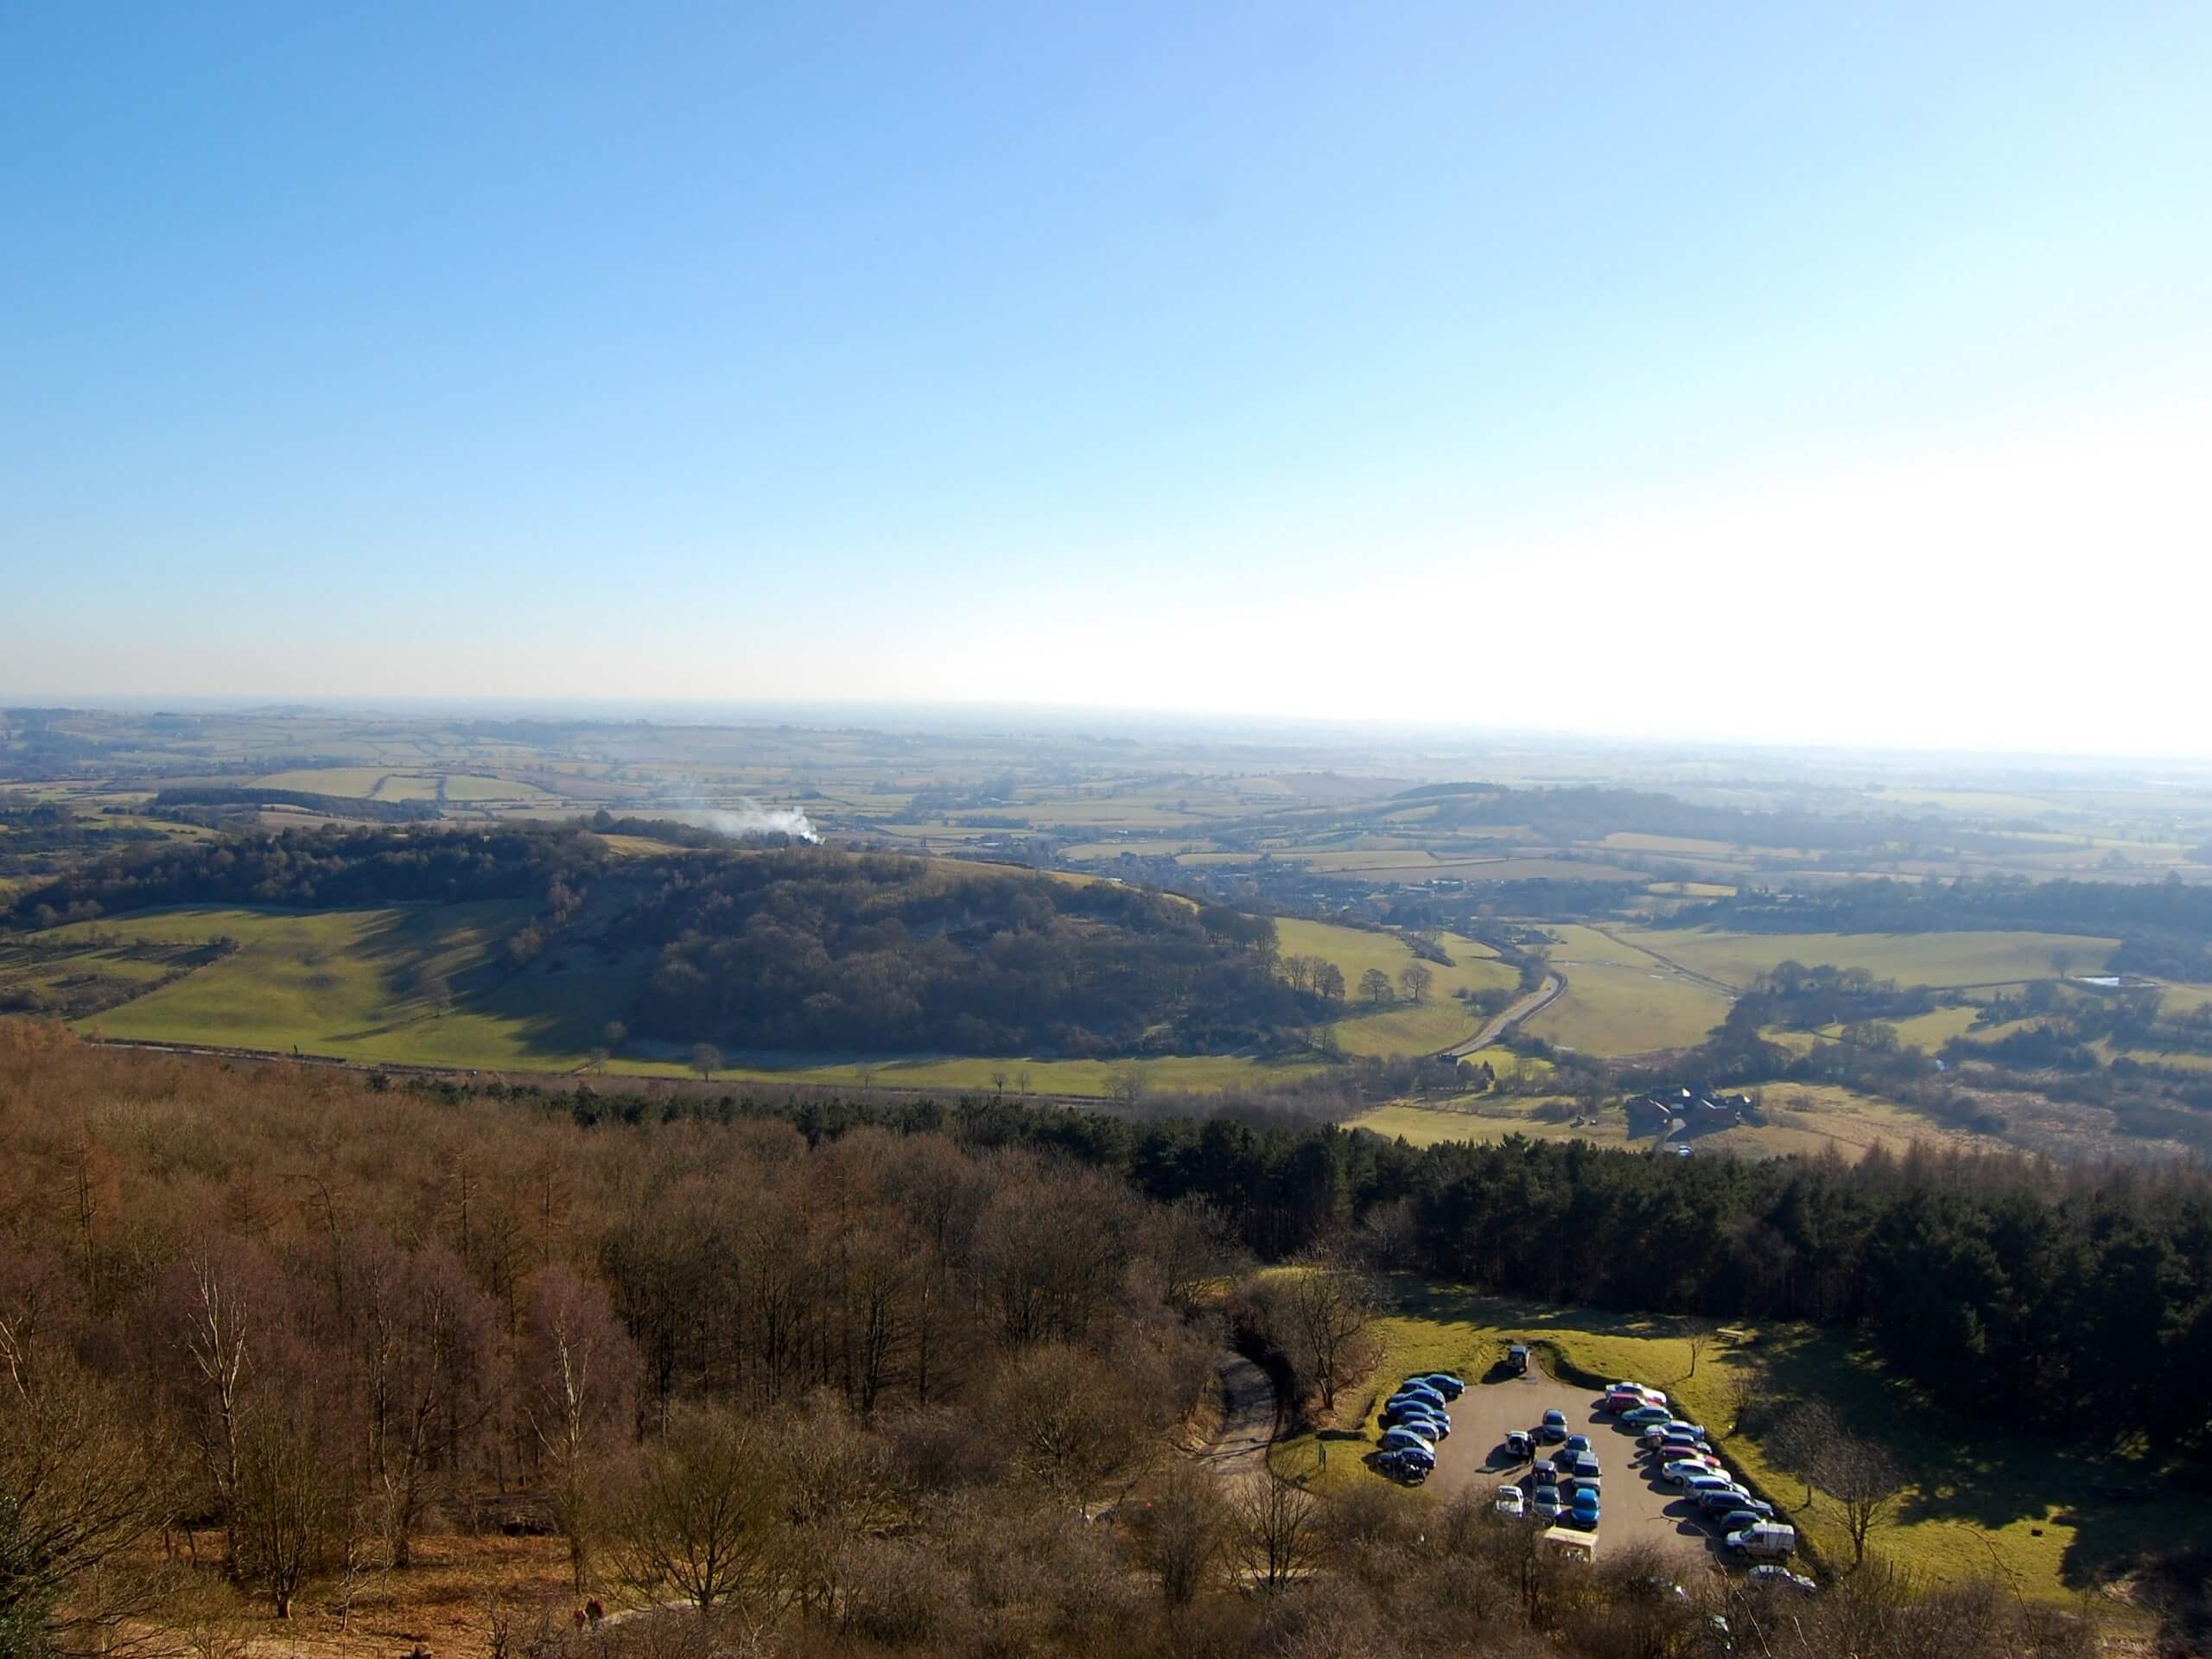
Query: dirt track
(1635, 1507)
(1239, 1445)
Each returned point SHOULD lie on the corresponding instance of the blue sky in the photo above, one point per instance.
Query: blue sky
(1447, 362)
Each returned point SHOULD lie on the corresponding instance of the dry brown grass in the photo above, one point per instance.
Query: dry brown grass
(444, 1603)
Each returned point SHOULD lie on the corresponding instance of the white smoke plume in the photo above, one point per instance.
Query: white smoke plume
(751, 818)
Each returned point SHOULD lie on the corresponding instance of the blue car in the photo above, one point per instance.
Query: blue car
(1434, 1424)
(1582, 1509)
(1420, 1391)
(1407, 1465)
(1445, 1383)
(1398, 1439)
(1575, 1443)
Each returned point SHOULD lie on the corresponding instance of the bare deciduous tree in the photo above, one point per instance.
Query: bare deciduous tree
(1275, 1524)
(289, 1504)
(1068, 1422)
(1332, 1314)
(700, 1518)
(1185, 1533)
(1414, 979)
(82, 1490)
(579, 1375)
(1801, 1439)
(1698, 1334)
(706, 1061)
(1746, 1383)
(1866, 1480)
(426, 1352)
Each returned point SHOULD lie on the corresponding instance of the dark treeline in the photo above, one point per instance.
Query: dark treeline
(186, 799)
(1997, 1282)
(2165, 927)
(1590, 813)
(43, 838)
(325, 868)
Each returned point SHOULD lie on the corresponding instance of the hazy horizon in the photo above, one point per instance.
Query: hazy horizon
(1833, 377)
(1287, 732)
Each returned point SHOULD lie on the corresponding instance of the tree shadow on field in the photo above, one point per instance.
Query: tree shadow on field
(1973, 1476)
(466, 946)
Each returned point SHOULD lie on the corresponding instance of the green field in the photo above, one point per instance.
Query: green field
(1909, 958)
(359, 781)
(1398, 1027)
(1622, 999)
(1808, 1119)
(466, 786)
(343, 983)
(1981, 1500)
(1932, 1030)
(1612, 1011)
(404, 783)
(1483, 1120)
(2176, 998)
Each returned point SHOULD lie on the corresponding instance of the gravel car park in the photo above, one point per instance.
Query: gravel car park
(1635, 1509)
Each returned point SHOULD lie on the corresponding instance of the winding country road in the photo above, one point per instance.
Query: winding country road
(1554, 982)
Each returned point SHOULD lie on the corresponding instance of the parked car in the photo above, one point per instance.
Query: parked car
(1436, 1426)
(1698, 1485)
(1419, 1391)
(1545, 1473)
(1517, 1357)
(1774, 1577)
(1546, 1502)
(1574, 1443)
(1682, 1470)
(1582, 1483)
(1446, 1384)
(1647, 1416)
(1748, 1512)
(1554, 1427)
(1518, 1443)
(1413, 1411)
(1768, 1541)
(1721, 1502)
(1582, 1510)
(1510, 1502)
(1394, 1438)
(1584, 1465)
(1410, 1470)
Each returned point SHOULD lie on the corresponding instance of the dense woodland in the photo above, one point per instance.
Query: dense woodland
(847, 1381)
(803, 949)
(783, 947)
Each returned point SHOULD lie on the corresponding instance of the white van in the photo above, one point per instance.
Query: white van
(1764, 1540)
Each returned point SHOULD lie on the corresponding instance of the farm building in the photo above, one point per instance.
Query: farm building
(1679, 1111)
